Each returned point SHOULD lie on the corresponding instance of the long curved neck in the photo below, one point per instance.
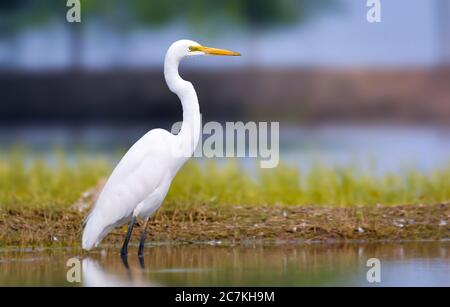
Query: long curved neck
(190, 130)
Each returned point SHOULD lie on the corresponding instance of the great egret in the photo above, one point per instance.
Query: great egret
(141, 180)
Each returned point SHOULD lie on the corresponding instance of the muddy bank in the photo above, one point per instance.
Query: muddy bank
(241, 225)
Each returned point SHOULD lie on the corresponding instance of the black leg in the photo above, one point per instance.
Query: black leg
(124, 250)
(125, 262)
(142, 262)
(142, 242)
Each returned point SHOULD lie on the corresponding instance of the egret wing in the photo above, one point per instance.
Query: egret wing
(137, 175)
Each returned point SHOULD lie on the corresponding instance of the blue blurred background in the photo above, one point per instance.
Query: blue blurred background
(341, 87)
(287, 33)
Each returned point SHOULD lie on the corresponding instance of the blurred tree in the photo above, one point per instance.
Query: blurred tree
(206, 16)
(252, 14)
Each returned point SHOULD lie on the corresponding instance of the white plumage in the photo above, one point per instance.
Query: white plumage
(141, 180)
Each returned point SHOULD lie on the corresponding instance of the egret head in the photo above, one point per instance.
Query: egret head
(185, 48)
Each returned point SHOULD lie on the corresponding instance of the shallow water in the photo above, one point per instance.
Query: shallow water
(405, 264)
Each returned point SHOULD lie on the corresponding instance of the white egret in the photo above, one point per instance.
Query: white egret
(141, 180)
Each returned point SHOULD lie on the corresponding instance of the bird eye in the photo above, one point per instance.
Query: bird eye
(194, 48)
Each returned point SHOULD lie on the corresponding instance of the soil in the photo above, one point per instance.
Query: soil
(239, 225)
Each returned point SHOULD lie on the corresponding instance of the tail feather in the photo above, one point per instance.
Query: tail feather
(96, 227)
(94, 231)
(90, 234)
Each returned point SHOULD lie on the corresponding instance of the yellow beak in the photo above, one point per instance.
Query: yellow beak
(214, 51)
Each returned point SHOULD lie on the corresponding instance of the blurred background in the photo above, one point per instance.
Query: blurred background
(343, 89)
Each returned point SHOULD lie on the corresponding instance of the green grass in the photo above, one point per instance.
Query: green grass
(30, 182)
(337, 186)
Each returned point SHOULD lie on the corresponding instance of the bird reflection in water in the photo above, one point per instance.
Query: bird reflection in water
(117, 275)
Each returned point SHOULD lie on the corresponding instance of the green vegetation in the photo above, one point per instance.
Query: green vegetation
(37, 183)
(57, 182)
(210, 201)
(248, 13)
(325, 186)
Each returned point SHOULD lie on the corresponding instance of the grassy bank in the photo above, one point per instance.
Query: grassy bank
(44, 201)
(53, 183)
(240, 225)
(27, 182)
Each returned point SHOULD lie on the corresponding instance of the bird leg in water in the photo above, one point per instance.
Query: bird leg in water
(142, 242)
(124, 250)
(142, 262)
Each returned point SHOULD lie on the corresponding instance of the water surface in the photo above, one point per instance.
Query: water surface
(405, 264)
